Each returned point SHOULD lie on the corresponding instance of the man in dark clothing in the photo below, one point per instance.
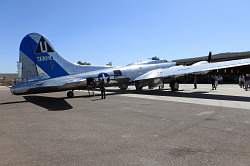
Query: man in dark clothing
(195, 82)
(213, 80)
(102, 88)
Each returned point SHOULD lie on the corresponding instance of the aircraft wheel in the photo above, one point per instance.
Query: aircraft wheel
(137, 87)
(150, 87)
(70, 94)
(123, 87)
(174, 85)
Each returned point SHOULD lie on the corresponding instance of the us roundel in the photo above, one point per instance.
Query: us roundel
(104, 76)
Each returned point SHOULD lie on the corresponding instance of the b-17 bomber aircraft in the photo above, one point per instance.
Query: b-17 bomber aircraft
(41, 70)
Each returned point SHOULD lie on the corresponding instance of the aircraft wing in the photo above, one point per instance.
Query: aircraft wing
(203, 67)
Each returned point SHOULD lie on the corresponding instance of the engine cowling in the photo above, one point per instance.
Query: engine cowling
(200, 63)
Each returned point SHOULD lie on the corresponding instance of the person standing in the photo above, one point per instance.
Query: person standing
(213, 82)
(102, 88)
(240, 81)
(216, 78)
(243, 81)
(195, 82)
(247, 82)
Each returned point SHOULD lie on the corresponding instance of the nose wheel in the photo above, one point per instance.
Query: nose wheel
(70, 94)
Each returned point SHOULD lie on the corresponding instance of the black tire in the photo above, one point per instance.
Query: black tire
(137, 87)
(70, 94)
(150, 87)
(174, 85)
(123, 87)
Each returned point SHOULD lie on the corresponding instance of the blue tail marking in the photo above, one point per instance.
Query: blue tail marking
(41, 53)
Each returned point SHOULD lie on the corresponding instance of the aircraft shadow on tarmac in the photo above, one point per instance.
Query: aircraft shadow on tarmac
(60, 104)
(49, 103)
(200, 94)
(53, 103)
(57, 103)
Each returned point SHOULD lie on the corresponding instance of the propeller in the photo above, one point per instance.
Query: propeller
(209, 57)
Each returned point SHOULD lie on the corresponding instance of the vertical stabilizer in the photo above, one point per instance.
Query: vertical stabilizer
(39, 59)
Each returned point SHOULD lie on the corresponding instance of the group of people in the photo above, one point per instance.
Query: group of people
(244, 81)
(91, 84)
(214, 79)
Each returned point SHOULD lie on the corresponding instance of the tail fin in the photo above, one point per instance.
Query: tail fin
(38, 58)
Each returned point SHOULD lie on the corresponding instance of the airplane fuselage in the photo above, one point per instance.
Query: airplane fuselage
(78, 81)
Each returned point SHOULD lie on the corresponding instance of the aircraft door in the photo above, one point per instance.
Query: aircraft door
(117, 73)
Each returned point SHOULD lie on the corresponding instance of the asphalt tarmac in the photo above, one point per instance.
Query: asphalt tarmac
(150, 128)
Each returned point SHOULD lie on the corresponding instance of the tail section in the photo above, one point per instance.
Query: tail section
(39, 59)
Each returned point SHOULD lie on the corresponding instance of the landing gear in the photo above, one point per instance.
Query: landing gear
(150, 87)
(174, 85)
(138, 86)
(70, 94)
(161, 87)
(123, 87)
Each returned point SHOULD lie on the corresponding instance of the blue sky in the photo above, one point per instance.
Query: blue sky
(124, 31)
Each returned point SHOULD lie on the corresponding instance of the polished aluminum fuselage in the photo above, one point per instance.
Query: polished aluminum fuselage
(78, 81)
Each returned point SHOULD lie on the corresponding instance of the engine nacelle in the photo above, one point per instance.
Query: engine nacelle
(200, 63)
